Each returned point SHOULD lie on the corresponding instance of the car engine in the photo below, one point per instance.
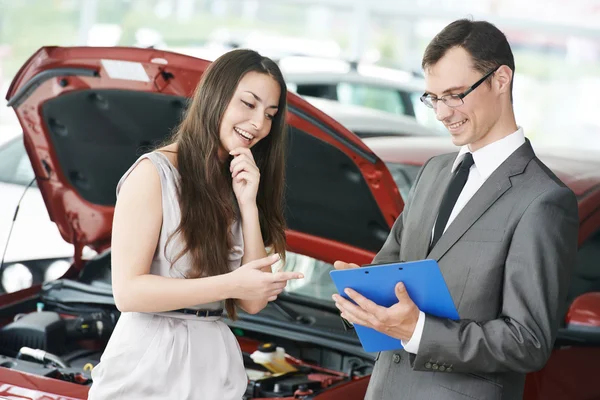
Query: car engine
(63, 339)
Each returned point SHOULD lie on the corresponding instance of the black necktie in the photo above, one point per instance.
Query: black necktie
(454, 188)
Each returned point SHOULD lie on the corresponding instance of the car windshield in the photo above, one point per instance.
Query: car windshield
(316, 284)
(15, 167)
(404, 175)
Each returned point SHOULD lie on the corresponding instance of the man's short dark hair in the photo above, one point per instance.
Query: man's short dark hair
(486, 44)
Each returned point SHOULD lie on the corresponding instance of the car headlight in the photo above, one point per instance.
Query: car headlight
(16, 277)
(56, 270)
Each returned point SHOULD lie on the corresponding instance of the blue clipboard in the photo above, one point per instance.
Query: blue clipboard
(424, 283)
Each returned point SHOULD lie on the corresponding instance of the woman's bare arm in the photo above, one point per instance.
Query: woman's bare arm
(136, 229)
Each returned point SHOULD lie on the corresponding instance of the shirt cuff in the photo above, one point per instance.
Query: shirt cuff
(412, 346)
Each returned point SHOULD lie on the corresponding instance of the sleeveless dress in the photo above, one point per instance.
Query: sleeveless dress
(171, 355)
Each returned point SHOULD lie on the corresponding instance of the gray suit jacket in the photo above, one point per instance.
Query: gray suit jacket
(506, 259)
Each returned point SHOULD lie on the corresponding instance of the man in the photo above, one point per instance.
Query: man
(502, 227)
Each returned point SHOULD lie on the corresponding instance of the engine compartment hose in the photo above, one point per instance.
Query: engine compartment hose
(43, 356)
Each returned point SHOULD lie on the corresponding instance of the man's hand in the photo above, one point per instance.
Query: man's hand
(398, 321)
(344, 265)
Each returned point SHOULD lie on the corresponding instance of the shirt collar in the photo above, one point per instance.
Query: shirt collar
(489, 158)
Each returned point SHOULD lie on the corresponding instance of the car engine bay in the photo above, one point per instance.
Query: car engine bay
(62, 332)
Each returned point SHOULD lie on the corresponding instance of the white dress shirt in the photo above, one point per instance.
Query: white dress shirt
(487, 160)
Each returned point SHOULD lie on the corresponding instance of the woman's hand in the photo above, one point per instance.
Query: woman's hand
(245, 176)
(251, 283)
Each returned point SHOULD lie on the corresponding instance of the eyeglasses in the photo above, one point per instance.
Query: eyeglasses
(454, 100)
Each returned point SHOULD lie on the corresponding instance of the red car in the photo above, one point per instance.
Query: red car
(573, 368)
(87, 114)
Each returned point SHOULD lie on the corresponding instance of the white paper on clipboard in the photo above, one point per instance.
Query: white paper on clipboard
(129, 70)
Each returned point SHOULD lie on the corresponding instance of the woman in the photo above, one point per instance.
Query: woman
(187, 216)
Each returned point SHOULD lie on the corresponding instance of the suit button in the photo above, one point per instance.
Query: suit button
(397, 358)
(449, 369)
(442, 368)
(435, 367)
(428, 365)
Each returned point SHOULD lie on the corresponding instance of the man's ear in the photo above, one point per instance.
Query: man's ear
(502, 79)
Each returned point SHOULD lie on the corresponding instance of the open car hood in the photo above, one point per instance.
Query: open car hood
(88, 113)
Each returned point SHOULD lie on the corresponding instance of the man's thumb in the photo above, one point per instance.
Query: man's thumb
(401, 291)
(344, 265)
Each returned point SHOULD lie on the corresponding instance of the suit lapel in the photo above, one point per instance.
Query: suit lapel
(492, 189)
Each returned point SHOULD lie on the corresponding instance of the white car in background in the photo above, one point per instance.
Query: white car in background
(385, 89)
(368, 122)
(34, 252)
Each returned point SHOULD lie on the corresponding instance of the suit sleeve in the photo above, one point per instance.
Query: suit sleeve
(542, 252)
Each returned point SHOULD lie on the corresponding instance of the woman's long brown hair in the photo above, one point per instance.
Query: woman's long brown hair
(208, 205)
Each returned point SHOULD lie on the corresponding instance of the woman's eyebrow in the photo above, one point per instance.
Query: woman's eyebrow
(259, 99)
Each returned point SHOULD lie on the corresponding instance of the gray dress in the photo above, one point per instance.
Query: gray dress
(172, 355)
